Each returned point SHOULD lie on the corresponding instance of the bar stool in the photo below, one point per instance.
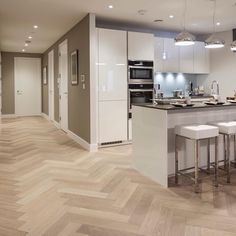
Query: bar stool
(227, 129)
(196, 133)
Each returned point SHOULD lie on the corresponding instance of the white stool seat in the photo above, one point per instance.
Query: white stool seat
(226, 127)
(197, 131)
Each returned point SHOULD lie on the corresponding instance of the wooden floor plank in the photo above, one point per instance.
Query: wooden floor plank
(50, 186)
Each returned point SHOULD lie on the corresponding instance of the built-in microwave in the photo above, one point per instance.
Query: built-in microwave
(140, 72)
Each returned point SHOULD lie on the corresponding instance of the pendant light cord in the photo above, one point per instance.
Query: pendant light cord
(184, 16)
(214, 16)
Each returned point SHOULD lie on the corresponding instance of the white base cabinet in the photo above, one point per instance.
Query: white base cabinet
(112, 121)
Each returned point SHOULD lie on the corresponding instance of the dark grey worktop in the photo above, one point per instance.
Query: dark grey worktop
(194, 107)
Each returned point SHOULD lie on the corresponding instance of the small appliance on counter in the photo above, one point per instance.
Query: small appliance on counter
(178, 93)
(157, 93)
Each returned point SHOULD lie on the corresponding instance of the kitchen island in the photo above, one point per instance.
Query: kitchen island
(154, 139)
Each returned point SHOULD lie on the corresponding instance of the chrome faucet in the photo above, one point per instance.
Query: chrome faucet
(217, 86)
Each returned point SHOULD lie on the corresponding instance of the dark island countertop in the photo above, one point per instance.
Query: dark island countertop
(194, 107)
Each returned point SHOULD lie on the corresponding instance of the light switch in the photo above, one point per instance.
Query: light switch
(83, 86)
(82, 78)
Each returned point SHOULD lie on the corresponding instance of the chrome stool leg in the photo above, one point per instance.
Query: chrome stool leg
(225, 152)
(216, 162)
(196, 156)
(176, 160)
(228, 158)
(234, 150)
(208, 156)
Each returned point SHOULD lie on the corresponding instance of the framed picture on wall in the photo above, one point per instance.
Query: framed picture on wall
(74, 67)
(45, 75)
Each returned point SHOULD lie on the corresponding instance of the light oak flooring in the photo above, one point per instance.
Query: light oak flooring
(50, 186)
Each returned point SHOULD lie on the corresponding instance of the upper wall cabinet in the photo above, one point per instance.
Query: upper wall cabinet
(166, 55)
(201, 59)
(186, 59)
(140, 46)
(112, 64)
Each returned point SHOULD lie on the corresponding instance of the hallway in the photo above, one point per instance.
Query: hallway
(50, 186)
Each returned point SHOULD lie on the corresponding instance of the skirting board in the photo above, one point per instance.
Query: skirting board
(77, 139)
(82, 142)
(45, 116)
(8, 116)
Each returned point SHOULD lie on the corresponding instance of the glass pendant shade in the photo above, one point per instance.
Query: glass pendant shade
(213, 42)
(233, 46)
(184, 39)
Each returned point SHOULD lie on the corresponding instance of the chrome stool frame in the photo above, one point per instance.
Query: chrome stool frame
(196, 161)
(227, 152)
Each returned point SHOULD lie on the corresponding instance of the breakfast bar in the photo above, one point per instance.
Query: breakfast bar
(154, 139)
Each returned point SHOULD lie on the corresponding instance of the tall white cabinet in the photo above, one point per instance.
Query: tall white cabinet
(112, 85)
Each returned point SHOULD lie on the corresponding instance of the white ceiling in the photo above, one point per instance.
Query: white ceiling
(55, 17)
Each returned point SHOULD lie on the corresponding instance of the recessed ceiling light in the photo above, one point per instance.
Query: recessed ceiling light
(30, 37)
(26, 44)
(110, 6)
(218, 23)
(158, 20)
(142, 12)
(35, 26)
(23, 50)
(171, 16)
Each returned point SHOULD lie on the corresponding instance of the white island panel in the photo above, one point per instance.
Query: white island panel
(150, 143)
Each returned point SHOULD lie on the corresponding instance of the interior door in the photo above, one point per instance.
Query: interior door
(63, 72)
(51, 85)
(27, 74)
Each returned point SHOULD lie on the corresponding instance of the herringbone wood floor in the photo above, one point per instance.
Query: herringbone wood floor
(50, 186)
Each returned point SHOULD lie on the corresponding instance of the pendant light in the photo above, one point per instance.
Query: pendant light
(233, 46)
(213, 41)
(184, 38)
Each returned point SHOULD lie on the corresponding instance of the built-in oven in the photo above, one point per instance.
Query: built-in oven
(140, 72)
(139, 93)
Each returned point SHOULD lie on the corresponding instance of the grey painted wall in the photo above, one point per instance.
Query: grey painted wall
(8, 93)
(78, 98)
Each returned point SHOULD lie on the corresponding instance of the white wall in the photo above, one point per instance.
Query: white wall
(222, 68)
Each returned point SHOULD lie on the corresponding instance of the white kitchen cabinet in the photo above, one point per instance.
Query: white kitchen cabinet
(201, 58)
(186, 59)
(159, 54)
(112, 121)
(166, 55)
(112, 64)
(112, 86)
(140, 46)
(171, 52)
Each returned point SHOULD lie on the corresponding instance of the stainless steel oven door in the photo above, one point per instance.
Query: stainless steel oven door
(140, 75)
(139, 96)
